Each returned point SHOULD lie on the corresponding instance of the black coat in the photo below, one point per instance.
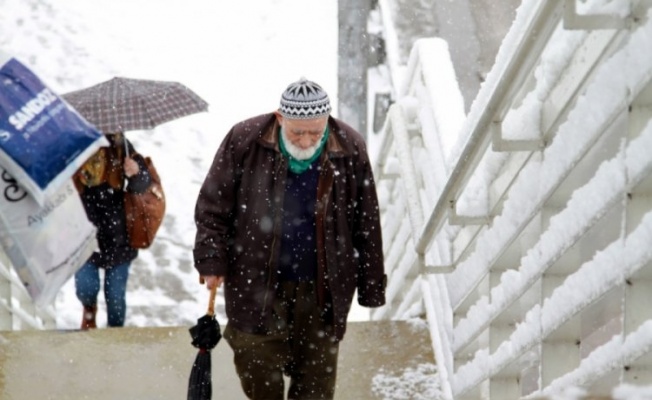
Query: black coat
(239, 215)
(105, 208)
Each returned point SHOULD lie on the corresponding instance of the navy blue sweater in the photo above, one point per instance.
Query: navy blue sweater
(298, 258)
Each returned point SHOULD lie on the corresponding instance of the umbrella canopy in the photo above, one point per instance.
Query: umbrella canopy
(124, 104)
(205, 336)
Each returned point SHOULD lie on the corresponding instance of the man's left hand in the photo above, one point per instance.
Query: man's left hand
(212, 281)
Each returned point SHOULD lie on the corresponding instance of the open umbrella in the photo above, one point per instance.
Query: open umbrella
(124, 104)
(205, 336)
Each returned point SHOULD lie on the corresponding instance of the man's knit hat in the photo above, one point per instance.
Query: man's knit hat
(304, 99)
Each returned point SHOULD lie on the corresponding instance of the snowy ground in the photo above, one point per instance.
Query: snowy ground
(239, 56)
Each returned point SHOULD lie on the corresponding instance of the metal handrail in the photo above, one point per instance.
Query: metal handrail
(544, 17)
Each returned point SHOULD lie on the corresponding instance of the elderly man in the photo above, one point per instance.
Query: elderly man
(288, 220)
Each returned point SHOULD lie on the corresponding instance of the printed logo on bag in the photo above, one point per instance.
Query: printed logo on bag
(50, 206)
(32, 109)
(4, 135)
(13, 192)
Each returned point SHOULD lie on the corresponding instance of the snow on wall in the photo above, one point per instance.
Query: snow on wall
(611, 355)
(586, 205)
(592, 280)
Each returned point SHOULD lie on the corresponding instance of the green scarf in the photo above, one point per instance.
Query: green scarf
(300, 166)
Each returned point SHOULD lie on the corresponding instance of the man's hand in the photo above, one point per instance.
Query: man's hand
(212, 281)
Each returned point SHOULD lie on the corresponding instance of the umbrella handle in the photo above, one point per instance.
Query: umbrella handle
(211, 302)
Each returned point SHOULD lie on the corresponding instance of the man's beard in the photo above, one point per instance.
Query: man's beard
(296, 151)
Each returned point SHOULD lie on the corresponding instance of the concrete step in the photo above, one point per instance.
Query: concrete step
(155, 363)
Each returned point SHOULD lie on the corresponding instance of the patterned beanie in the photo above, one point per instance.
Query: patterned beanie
(304, 99)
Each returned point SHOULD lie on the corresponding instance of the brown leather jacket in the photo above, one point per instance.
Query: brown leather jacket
(238, 216)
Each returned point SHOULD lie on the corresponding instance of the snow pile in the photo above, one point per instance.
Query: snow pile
(632, 392)
(419, 383)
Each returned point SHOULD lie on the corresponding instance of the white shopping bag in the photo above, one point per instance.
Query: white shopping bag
(46, 243)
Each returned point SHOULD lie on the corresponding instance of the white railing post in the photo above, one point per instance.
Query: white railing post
(17, 309)
(637, 294)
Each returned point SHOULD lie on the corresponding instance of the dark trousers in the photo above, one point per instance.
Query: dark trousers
(300, 345)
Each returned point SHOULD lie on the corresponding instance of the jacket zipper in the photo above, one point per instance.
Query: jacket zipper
(281, 164)
(322, 269)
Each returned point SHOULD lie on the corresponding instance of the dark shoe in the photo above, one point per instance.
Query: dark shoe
(88, 319)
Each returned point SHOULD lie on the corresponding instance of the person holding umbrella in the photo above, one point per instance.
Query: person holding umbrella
(101, 184)
(117, 105)
(287, 218)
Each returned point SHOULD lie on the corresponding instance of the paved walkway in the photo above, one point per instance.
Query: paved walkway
(155, 363)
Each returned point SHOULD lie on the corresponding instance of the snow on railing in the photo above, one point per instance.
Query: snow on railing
(579, 290)
(609, 356)
(410, 177)
(574, 138)
(17, 309)
(587, 205)
(543, 279)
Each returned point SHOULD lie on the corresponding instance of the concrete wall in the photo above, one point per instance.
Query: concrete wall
(474, 30)
(352, 62)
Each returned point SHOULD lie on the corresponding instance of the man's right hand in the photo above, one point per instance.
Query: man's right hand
(212, 281)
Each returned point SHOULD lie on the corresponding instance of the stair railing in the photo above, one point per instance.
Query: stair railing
(525, 242)
(17, 309)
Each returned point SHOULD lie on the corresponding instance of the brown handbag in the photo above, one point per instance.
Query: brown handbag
(145, 211)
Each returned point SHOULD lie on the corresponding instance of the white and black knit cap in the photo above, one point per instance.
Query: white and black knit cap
(304, 99)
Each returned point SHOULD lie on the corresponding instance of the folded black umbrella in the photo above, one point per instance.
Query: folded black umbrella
(205, 336)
